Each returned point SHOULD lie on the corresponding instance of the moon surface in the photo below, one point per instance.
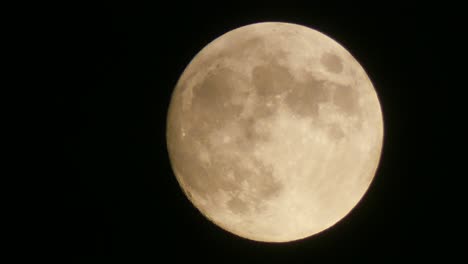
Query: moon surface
(274, 132)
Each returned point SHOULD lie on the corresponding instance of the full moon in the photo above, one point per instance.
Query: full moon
(274, 132)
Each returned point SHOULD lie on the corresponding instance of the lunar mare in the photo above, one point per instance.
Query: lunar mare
(274, 132)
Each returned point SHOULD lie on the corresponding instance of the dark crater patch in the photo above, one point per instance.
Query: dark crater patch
(266, 108)
(271, 79)
(270, 188)
(346, 98)
(304, 97)
(237, 206)
(239, 50)
(251, 133)
(332, 62)
(335, 132)
(212, 102)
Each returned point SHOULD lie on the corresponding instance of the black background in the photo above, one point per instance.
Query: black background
(125, 204)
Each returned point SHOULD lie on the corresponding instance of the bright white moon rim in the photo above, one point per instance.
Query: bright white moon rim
(274, 132)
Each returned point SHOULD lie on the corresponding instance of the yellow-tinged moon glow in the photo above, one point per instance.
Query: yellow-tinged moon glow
(274, 132)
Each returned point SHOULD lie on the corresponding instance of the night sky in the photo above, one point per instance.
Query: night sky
(125, 203)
